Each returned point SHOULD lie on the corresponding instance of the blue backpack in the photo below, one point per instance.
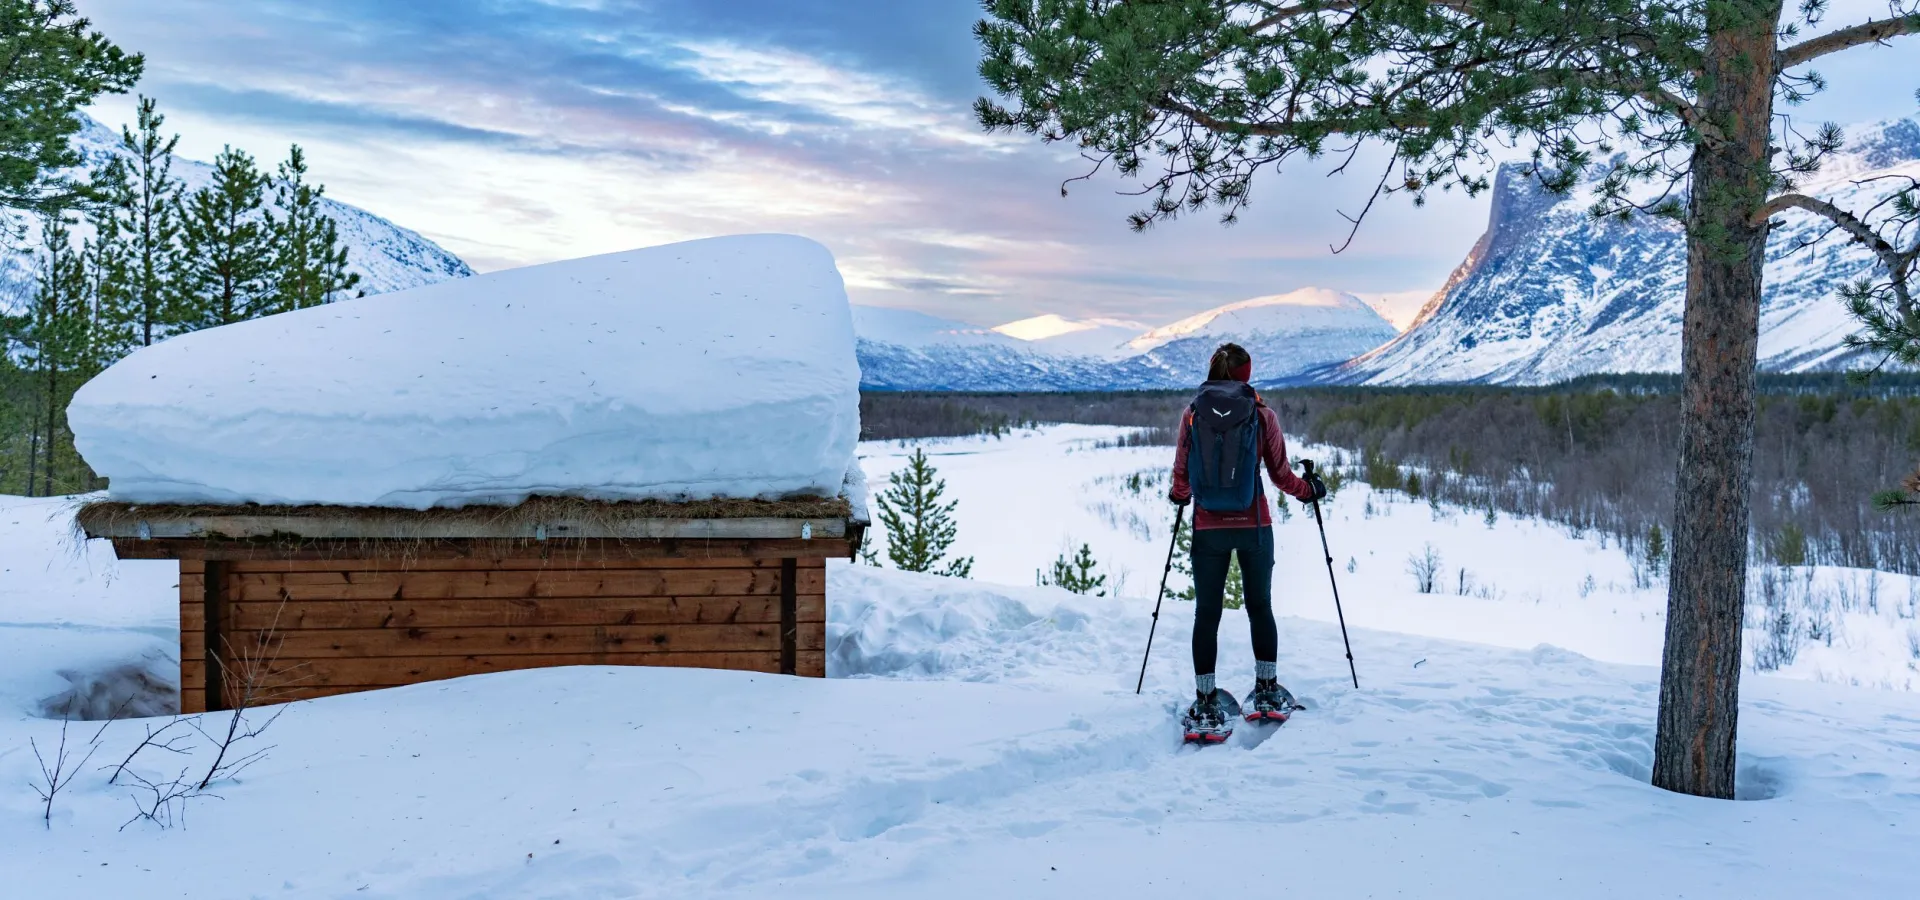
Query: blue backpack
(1223, 447)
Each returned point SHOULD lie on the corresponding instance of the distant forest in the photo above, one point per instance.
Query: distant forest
(1598, 453)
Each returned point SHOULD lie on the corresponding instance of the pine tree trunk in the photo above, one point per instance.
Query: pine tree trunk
(1693, 750)
(53, 412)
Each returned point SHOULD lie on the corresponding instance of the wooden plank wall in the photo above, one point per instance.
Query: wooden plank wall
(314, 628)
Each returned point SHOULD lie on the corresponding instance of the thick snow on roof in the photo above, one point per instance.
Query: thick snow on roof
(713, 368)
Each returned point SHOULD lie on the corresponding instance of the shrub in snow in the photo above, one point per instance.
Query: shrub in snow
(1788, 546)
(714, 368)
(1907, 495)
(1775, 594)
(1425, 569)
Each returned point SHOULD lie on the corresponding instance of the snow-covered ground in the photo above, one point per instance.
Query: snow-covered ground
(73, 620)
(1027, 498)
(982, 738)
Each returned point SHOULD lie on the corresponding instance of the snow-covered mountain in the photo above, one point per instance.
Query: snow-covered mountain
(1289, 335)
(1054, 333)
(387, 256)
(1550, 293)
(903, 350)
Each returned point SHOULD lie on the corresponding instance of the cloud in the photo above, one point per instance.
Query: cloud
(520, 131)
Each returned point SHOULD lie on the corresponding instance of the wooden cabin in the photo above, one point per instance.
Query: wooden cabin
(287, 603)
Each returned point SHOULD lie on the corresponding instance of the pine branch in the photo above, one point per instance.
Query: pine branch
(1897, 262)
(1286, 13)
(1288, 128)
(1873, 32)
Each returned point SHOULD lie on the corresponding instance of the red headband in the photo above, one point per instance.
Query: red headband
(1245, 372)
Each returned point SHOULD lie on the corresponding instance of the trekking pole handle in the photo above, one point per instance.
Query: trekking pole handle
(1307, 464)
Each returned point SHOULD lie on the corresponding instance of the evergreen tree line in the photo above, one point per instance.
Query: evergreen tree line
(1596, 454)
(132, 257)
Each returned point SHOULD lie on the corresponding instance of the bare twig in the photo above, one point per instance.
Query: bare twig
(56, 774)
(251, 679)
(167, 800)
(171, 745)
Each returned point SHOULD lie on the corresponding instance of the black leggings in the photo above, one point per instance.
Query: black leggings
(1212, 548)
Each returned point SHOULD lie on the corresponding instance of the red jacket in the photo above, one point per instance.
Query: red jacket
(1273, 451)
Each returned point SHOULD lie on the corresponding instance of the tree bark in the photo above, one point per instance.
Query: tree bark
(1693, 749)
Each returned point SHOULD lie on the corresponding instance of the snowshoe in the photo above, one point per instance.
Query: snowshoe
(1269, 702)
(1210, 719)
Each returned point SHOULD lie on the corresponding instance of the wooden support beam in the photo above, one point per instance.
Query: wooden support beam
(789, 614)
(214, 612)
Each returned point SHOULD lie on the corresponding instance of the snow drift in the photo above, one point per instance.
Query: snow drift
(713, 368)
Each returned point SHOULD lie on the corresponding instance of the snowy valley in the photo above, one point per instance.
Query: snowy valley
(578, 580)
(984, 735)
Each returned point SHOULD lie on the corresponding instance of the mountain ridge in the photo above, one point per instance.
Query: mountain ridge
(1288, 335)
(1549, 293)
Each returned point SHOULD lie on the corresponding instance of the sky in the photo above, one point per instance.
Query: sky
(515, 132)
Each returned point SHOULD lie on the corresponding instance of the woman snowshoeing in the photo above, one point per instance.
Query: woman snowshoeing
(1225, 436)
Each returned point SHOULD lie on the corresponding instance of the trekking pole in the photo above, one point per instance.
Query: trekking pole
(1308, 465)
(1179, 516)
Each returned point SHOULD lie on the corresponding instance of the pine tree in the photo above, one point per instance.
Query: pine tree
(310, 263)
(55, 64)
(1076, 574)
(920, 529)
(144, 205)
(113, 311)
(54, 344)
(1196, 98)
(227, 251)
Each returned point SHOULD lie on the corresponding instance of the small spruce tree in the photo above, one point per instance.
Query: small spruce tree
(1656, 547)
(1235, 595)
(920, 528)
(1076, 574)
(1183, 564)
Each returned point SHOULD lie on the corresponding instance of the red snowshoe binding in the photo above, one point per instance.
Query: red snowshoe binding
(1210, 719)
(1270, 702)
